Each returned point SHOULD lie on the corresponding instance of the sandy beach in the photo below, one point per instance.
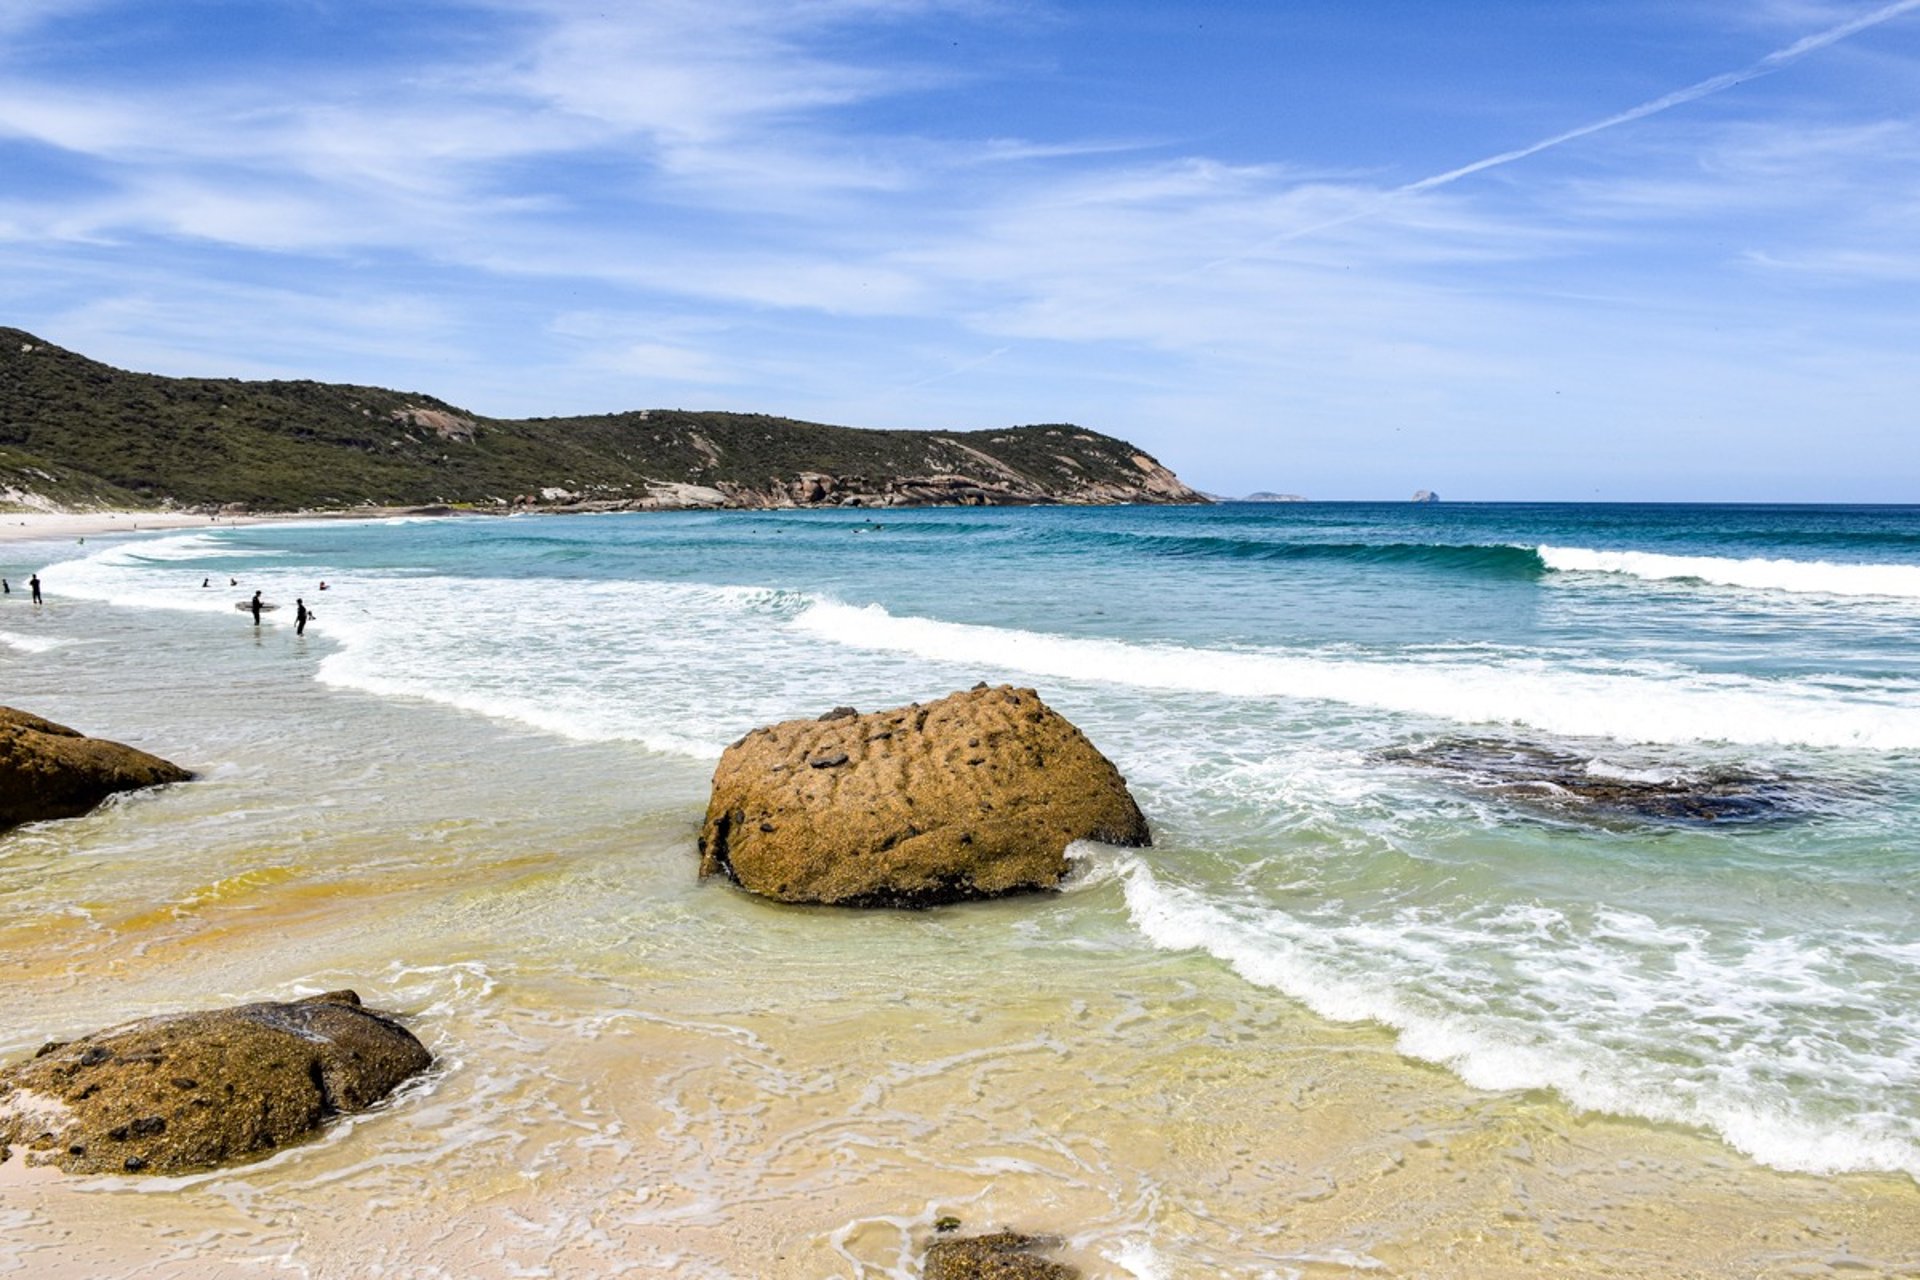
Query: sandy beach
(46, 526)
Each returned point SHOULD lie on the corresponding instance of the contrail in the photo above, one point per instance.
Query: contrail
(971, 365)
(1679, 97)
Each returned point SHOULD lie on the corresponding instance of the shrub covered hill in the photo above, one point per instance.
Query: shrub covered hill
(74, 432)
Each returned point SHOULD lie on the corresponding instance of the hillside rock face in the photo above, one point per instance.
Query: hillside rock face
(198, 1090)
(50, 771)
(974, 796)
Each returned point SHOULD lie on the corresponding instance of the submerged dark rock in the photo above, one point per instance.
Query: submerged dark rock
(1576, 783)
(1004, 1255)
(192, 1091)
(50, 771)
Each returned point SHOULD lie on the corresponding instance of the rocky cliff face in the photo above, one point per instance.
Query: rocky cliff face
(1155, 484)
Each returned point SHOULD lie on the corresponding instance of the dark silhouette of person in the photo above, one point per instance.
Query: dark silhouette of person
(5, 588)
(300, 616)
(34, 582)
(206, 582)
(254, 604)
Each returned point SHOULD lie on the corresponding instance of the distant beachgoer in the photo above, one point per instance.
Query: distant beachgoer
(300, 616)
(233, 582)
(254, 604)
(323, 586)
(34, 582)
(206, 582)
(5, 590)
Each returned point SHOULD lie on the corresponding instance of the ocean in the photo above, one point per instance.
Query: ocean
(1533, 890)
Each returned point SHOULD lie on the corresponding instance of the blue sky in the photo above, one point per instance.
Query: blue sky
(1645, 249)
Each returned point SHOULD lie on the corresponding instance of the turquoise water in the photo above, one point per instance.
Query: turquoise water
(1269, 678)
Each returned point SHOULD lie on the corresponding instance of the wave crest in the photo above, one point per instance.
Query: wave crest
(1595, 701)
(1819, 577)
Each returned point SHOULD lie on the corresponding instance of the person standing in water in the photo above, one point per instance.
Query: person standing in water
(34, 582)
(300, 616)
(254, 605)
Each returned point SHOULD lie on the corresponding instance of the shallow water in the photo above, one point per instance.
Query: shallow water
(1342, 1017)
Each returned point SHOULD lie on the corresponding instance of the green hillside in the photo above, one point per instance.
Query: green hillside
(75, 432)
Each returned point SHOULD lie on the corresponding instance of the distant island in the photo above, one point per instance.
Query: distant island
(1259, 496)
(75, 433)
(1426, 495)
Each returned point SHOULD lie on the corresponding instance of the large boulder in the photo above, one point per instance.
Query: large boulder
(974, 796)
(196, 1090)
(50, 771)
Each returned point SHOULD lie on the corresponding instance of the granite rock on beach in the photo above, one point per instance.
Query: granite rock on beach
(1003, 1255)
(190, 1091)
(976, 795)
(50, 771)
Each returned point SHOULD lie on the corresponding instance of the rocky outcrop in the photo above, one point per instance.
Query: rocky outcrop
(198, 1090)
(50, 771)
(1004, 1255)
(974, 796)
(990, 487)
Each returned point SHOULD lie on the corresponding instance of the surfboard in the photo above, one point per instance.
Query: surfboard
(246, 606)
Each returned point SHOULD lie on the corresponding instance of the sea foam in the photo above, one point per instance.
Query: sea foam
(1592, 1021)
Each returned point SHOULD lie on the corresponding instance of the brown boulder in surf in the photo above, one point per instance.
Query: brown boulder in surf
(190, 1091)
(977, 795)
(50, 771)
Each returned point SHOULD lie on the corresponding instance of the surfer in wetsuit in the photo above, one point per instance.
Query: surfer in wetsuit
(300, 616)
(34, 582)
(254, 604)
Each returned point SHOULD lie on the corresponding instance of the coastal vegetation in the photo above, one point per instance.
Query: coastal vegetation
(76, 432)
